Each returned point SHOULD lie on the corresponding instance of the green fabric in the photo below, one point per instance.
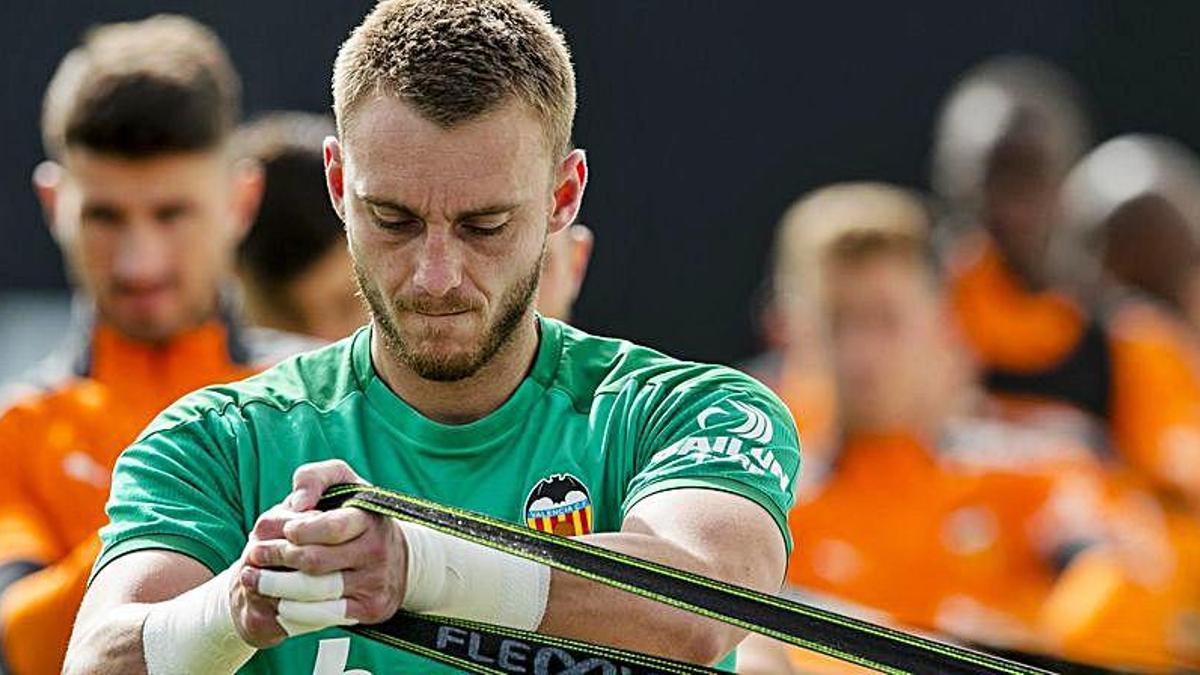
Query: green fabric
(622, 421)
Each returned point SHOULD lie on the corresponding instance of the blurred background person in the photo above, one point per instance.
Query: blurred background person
(923, 482)
(1102, 367)
(567, 256)
(294, 266)
(1130, 245)
(1005, 138)
(143, 196)
(1132, 206)
(798, 366)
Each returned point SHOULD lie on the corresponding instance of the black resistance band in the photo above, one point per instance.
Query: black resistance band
(877, 647)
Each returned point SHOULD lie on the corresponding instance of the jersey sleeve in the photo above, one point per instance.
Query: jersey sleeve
(176, 488)
(721, 431)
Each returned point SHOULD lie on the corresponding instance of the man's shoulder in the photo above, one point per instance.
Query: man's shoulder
(321, 379)
(594, 366)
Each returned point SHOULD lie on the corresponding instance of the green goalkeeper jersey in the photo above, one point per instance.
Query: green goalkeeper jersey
(597, 425)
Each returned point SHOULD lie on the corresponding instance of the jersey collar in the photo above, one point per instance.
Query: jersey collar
(460, 438)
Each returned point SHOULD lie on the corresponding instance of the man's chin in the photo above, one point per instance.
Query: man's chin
(145, 326)
(146, 332)
(438, 367)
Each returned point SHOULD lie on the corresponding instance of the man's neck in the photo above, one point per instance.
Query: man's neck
(469, 399)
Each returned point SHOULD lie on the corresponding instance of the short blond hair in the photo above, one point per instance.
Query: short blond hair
(454, 60)
(812, 225)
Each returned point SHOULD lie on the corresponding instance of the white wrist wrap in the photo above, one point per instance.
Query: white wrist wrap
(194, 633)
(452, 577)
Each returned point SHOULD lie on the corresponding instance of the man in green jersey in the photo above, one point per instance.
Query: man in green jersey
(451, 167)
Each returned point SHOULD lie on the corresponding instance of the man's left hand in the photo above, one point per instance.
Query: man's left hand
(341, 566)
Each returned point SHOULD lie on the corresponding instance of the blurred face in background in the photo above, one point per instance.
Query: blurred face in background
(448, 227)
(1150, 246)
(1021, 204)
(323, 300)
(889, 342)
(567, 256)
(150, 240)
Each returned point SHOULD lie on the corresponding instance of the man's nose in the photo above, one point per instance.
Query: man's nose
(142, 256)
(439, 269)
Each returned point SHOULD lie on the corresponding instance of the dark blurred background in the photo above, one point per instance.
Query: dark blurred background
(703, 120)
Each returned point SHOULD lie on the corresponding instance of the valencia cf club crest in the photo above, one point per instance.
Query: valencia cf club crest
(559, 504)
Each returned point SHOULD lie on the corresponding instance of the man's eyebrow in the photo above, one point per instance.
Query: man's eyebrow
(489, 210)
(382, 203)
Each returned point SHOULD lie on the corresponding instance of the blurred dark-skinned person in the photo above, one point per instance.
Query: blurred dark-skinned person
(1130, 245)
(147, 202)
(1131, 239)
(294, 267)
(1005, 138)
(1100, 369)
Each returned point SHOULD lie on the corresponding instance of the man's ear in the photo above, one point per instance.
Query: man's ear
(249, 183)
(47, 181)
(570, 181)
(334, 180)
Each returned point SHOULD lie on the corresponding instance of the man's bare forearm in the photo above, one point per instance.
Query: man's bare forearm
(110, 644)
(590, 611)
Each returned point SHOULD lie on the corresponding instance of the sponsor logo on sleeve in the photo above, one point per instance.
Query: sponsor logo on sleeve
(745, 442)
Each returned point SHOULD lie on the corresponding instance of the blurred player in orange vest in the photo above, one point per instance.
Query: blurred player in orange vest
(147, 203)
(920, 483)
(930, 514)
(797, 368)
(1007, 135)
(1130, 240)
(1109, 368)
(1132, 228)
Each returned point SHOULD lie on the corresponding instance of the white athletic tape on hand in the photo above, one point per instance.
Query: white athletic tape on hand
(453, 577)
(300, 586)
(297, 618)
(194, 632)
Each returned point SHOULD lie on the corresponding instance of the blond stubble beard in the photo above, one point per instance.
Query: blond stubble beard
(451, 368)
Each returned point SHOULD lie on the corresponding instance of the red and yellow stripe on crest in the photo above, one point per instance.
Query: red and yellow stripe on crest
(572, 524)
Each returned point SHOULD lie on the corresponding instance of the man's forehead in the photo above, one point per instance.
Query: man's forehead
(114, 179)
(388, 141)
(85, 164)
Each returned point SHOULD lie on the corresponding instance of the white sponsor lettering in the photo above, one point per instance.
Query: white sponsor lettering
(332, 656)
(756, 460)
